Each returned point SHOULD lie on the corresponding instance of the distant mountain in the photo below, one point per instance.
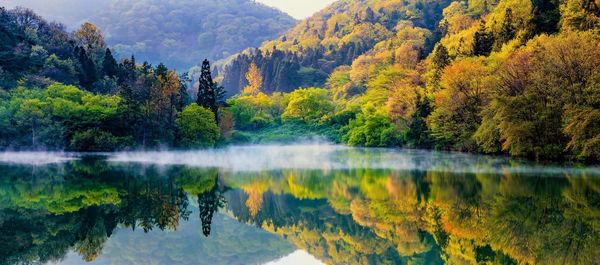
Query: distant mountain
(177, 33)
(335, 36)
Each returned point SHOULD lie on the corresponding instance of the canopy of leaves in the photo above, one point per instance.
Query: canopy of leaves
(198, 127)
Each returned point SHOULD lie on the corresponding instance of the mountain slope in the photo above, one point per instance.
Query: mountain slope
(335, 36)
(177, 33)
(502, 76)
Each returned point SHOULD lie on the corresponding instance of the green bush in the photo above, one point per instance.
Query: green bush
(372, 130)
(197, 127)
(96, 140)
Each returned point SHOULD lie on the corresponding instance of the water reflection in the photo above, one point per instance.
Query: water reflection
(340, 216)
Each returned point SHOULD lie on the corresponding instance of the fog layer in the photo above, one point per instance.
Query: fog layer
(35, 158)
(335, 157)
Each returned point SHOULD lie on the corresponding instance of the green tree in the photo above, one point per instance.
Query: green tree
(63, 71)
(372, 130)
(418, 134)
(507, 30)
(440, 57)
(206, 93)
(87, 74)
(109, 65)
(309, 105)
(197, 127)
(483, 41)
(31, 114)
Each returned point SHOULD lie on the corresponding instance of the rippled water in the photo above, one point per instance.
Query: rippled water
(298, 204)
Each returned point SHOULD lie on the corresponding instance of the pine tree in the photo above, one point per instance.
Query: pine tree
(418, 135)
(205, 87)
(370, 15)
(507, 31)
(546, 15)
(87, 73)
(440, 57)
(161, 70)
(209, 203)
(440, 60)
(210, 94)
(184, 81)
(127, 72)
(357, 18)
(483, 41)
(109, 65)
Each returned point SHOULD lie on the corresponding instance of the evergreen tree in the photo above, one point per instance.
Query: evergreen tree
(109, 65)
(209, 203)
(546, 15)
(184, 81)
(507, 30)
(440, 60)
(161, 70)
(87, 73)
(483, 41)
(146, 67)
(127, 72)
(210, 94)
(418, 135)
(370, 15)
(440, 57)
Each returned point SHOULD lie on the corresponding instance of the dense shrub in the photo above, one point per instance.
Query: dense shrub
(197, 127)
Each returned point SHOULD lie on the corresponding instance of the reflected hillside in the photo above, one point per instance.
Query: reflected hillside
(383, 216)
(48, 211)
(100, 209)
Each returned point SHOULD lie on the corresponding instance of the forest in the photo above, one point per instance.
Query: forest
(518, 78)
(65, 91)
(176, 33)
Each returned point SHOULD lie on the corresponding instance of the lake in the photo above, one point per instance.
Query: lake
(295, 204)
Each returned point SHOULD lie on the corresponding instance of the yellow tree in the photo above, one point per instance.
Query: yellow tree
(457, 106)
(255, 80)
(90, 34)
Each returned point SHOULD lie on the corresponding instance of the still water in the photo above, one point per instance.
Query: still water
(297, 204)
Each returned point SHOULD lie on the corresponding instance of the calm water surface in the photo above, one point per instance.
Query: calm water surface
(299, 204)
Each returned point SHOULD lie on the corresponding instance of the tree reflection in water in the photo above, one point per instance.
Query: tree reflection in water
(357, 216)
(80, 204)
(431, 217)
(209, 202)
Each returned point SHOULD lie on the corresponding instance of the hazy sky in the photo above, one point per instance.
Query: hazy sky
(298, 8)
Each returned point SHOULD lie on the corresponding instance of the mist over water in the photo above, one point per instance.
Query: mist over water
(36, 158)
(261, 203)
(311, 156)
(336, 157)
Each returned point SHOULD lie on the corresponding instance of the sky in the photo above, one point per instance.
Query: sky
(298, 8)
